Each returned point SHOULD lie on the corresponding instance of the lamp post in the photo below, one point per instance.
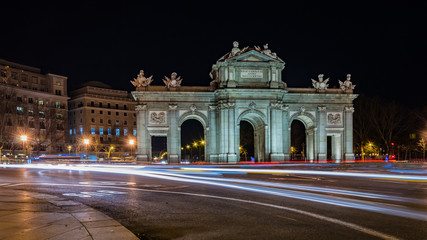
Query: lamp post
(202, 144)
(186, 149)
(131, 143)
(69, 149)
(195, 145)
(24, 139)
(86, 142)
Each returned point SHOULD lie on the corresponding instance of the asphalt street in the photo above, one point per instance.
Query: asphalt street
(313, 201)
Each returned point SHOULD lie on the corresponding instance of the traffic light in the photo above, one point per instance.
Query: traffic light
(392, 144)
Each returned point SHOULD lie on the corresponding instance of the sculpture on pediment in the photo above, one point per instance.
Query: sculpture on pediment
(141, 81)
(266, 51)
(347, 85)
(236, 50)
(320, 85)
(173, 82)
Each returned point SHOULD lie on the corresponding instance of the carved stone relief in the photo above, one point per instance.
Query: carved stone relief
(157, 117)
(334, 118)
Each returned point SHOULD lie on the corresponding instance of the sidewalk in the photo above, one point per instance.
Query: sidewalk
(34, 216)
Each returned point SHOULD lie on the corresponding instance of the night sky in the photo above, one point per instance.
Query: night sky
(383, 45)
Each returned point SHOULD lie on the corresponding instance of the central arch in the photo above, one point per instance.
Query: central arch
(257, 120)
(199, 117)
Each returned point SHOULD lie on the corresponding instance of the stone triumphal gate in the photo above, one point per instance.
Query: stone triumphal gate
(246, 86)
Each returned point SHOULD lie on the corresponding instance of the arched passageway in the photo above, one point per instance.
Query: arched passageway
(192, 140)
(247, 138)
(255, 119)
(298, 141)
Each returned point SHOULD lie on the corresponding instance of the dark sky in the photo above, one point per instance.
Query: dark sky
(383, 45)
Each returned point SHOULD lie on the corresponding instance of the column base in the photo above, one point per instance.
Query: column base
(222, 158)
(232, 158)
(287, 157)
(349, 157)
(277, 156)
(213, 158)
(321, 157)
(142, 158)
(173, 158)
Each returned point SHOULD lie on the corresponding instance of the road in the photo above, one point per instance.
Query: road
(293, 201)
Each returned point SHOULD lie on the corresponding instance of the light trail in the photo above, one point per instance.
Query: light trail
(313, 215)
(311, 172)
(357, 204)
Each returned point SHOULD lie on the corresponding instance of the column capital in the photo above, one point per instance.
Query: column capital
(212, 107)
(285, 108)
(173, 106)
(349, 109)
(275, 105)
(321, 108)
(141, 107)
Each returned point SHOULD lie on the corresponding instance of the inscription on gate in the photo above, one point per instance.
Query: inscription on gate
(251, 73)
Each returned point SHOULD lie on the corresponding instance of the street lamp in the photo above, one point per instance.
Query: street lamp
(187, 147)
(69, 149)
(86, 142)
(24, 139)
(131, 143)
(195, 145)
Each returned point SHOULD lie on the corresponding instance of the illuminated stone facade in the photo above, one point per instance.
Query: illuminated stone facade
(247, 86)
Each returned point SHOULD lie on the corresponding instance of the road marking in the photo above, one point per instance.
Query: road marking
(108, 183)
(99, 193)
(314, 215)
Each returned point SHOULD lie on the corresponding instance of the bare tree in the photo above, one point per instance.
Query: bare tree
(7, 119)
(389, 120)
(362, 124)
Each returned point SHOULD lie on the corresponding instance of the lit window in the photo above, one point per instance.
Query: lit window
(109, 131)
(125, 132)
(117, 122)
(117, 132)
(134, 132)
(101, 131)
(41, 114)
(92, 130)
(81, 130)
(71, 131)
(74, 130)
(58, 104)
(58, 83)
(41, 102)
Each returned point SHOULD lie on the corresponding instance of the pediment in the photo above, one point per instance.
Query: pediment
(254, 56)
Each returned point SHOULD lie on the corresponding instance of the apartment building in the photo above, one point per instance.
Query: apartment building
(33, 111)
(103, 115)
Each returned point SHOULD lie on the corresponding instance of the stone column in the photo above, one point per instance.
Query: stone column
(348, 133)
(322, 138)
(232, 148)
(337, 147)
(211, 140)
(286, 133)
(223, 132)
(276, 132)
(143, 145)
(310, 144)
(173, 147)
